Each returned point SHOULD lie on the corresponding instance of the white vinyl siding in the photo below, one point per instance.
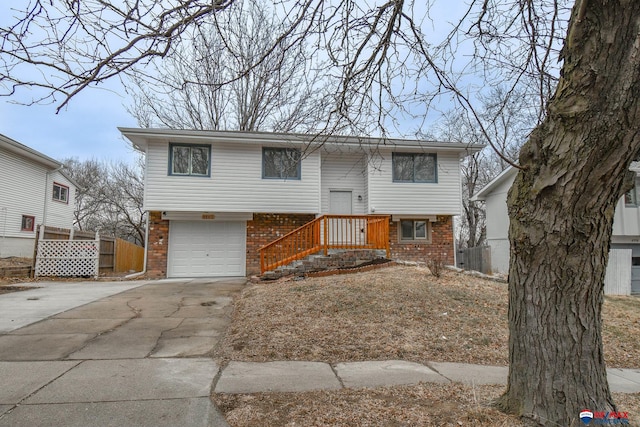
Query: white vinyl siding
(344, 172)
(496, 204)
(60, 214)
(235, 185)
(626, 221)
(23, 184)
(440, 198)
(22, 192)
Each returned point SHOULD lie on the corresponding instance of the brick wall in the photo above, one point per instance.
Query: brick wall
(441, 243)
(158, 246)
(265, 228)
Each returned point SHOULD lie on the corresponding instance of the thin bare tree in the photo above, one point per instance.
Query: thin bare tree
(216, 79)
(90, 176)
(109, 198)
(508, 119)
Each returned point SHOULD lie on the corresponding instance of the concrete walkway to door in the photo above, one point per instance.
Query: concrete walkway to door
(129, 353)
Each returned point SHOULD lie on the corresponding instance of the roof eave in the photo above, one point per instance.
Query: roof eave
(487, 189)
(140, 137)
(21, 149)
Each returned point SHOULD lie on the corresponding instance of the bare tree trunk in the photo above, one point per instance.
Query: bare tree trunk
(561, 207)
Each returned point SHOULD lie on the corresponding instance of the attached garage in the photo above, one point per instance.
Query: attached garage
(630, 266)
(206, 248)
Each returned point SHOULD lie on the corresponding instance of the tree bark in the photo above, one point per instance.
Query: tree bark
(561, 207)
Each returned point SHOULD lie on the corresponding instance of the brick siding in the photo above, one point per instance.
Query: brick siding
(158, 246)
(267, 227)
(441, 245)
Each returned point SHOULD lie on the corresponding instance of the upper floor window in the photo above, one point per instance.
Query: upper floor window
(28, 222)
(60, 192)
(281, 163)
(189, 160)
(409, 167)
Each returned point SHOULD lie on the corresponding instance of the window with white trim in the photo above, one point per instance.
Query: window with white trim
(414, 230)
(60, 193)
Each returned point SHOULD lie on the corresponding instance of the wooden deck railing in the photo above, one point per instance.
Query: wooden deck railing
(324, 233)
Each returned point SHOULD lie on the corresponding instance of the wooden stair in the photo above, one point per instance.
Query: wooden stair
(325, 233)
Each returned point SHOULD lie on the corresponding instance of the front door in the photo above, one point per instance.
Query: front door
(340, 203)
(344, 233)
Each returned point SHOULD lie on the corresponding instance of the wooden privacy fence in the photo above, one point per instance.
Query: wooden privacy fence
(325, 233)
(131, 256)
(478, 259)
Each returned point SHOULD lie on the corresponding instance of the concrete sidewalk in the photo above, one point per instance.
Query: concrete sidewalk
(251, 377)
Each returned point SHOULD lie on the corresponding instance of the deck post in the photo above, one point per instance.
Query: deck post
(326, 236)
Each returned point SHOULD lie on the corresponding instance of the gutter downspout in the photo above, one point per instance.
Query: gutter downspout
(4, 229)
(146, 245)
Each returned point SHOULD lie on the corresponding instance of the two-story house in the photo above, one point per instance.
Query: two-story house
(34, 190)
(623, 271)
(214, 198)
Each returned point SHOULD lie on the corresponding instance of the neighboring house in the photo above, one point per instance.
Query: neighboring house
(215, 197)
(34, 191)
(623, 271)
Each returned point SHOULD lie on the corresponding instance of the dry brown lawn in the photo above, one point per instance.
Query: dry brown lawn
(393, 313)
(396, 313)
(419, 405)
(14, 262)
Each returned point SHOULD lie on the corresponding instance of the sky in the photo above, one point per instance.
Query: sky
(86, 129)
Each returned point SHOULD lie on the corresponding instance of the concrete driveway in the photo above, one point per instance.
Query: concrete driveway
(113, 354)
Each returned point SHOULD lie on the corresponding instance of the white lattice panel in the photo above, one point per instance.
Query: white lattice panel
(64, 258)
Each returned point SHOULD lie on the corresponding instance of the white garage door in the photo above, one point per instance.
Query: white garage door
(206, 249)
